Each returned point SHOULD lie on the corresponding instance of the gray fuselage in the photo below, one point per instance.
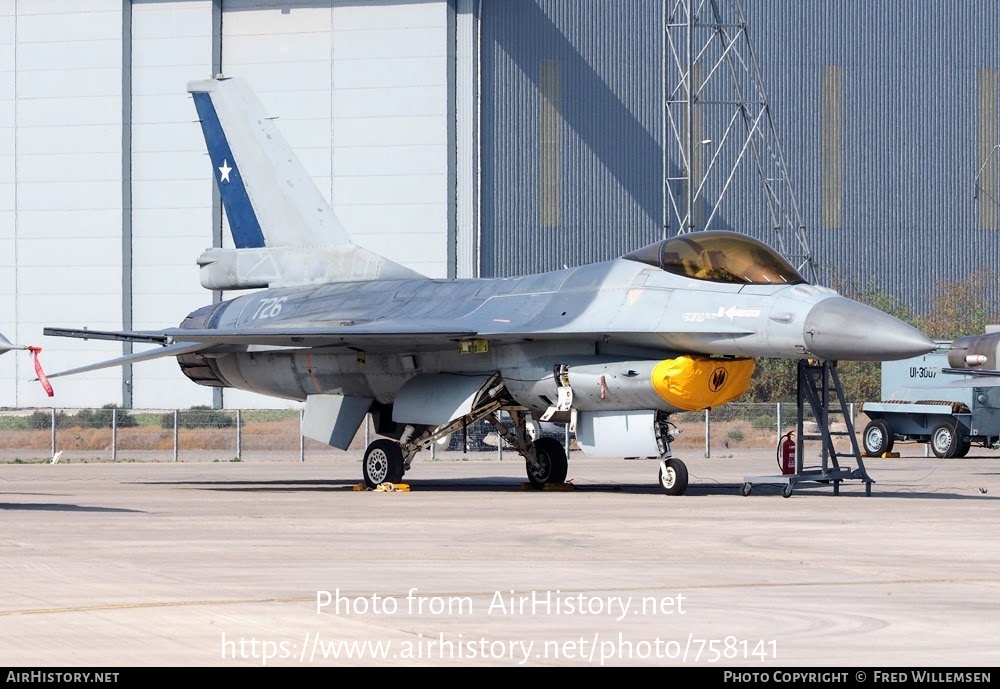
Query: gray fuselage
(620, 310)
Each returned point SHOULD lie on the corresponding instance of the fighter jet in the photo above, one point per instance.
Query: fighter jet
(612, 348)
(973, 361)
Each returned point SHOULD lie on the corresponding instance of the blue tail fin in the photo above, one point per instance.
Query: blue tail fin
(269, 197)
(285, 231)
(242, 219)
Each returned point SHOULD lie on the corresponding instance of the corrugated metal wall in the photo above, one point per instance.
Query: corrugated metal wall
(886, 112)
(571, 127)
(915, 93)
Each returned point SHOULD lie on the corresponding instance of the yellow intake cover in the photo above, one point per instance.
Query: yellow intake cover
(697, 382)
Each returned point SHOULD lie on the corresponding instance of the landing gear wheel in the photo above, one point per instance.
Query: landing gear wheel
(745, 490)
(945, 441)
(786, 491)
(383, 463)
(673, 476)
(552, 463)
(877, 438)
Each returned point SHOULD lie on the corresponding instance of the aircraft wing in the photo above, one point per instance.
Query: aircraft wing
(360, 335)
(365, 335)
(372, 335)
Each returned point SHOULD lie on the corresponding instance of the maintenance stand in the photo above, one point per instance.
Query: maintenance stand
(819, 385)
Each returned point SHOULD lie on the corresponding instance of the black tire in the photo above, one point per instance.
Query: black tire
(964, 449)
(383, 463)
(674, 477)
(551, 457)
(945, 440)
(877, 438)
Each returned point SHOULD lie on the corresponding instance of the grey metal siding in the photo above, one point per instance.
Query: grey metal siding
(916, 112)
(911, 133)
(832, 132)
(571, 119)
(989, 150)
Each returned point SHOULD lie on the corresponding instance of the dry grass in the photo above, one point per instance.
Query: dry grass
(25, 440)
(279, 435)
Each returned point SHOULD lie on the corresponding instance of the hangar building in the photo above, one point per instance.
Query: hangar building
(469, 138)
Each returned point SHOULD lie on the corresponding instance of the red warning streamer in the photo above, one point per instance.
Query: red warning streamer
(39, 372)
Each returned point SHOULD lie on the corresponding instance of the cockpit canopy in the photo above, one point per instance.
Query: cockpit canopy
(719, 257)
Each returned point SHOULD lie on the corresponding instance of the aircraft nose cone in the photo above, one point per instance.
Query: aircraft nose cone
(841, 329)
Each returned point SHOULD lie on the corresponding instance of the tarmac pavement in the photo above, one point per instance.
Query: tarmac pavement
(282, 563)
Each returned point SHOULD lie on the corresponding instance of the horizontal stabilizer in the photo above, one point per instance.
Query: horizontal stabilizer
(171, 350)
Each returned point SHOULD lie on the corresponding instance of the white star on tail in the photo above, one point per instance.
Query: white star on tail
(225, 170)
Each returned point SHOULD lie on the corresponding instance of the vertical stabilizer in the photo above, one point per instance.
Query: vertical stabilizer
(285, 231)
(269, 197)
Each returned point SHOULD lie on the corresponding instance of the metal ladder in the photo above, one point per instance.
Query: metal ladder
(819, 387)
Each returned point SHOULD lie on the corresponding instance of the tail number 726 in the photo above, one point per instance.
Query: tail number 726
(269, 308)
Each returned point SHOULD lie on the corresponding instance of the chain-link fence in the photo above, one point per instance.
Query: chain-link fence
(203, 434)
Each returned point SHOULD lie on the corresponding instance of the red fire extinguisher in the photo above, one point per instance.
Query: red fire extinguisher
(786, 454)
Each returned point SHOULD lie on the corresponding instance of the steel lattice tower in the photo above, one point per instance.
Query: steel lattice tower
(717, 120)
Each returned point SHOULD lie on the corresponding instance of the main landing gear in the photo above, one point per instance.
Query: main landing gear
(383, 463)
(545, 459)
(550, 462)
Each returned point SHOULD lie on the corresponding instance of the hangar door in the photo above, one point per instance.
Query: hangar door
(571, 128)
